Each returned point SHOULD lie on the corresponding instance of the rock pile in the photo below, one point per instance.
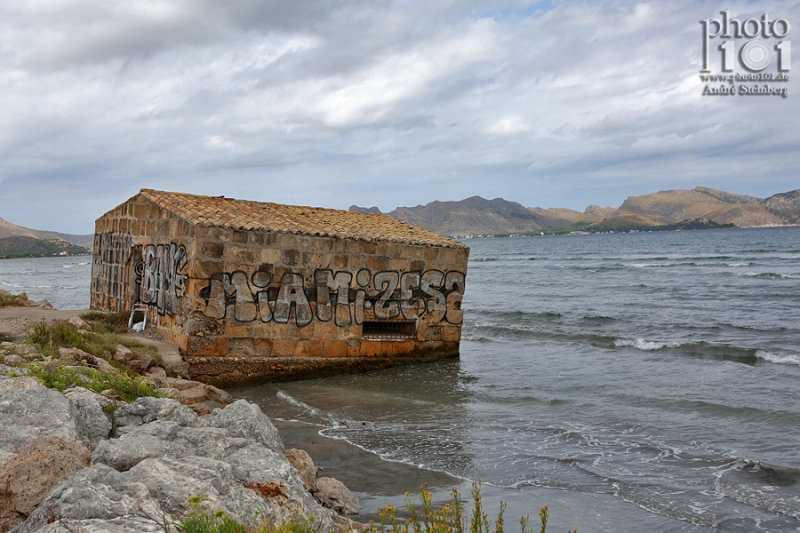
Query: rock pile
(21, 300)
(81, 462)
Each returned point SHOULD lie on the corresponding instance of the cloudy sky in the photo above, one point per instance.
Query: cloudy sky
(387, 103)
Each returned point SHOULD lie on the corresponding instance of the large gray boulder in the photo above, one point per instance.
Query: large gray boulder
(91, 423)
(29, 411)
(146, 410)
(99, 497)
(162, 455)
(233, 459)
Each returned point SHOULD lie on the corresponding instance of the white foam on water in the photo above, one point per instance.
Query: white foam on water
(304, 406)
(642, 344)
(778, 359)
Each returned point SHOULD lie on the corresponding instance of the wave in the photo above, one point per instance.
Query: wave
(752, 328)
(493, 332)
(643, 344)
(762, 486)
(661, 265)
(599, 318)
(307, 409)
(761, 275)
(778, 359)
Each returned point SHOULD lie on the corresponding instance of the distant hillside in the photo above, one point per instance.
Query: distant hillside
(701, 203)
(700, 207)
(24, 246)
(7, 229)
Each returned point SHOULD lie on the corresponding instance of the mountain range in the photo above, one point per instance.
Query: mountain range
(700, 207)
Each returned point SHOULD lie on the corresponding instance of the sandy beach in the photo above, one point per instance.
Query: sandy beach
(16, 322)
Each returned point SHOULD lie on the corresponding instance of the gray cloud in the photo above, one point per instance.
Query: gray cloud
(375, 103)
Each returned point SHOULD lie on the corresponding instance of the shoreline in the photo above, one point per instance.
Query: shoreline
(378, 482)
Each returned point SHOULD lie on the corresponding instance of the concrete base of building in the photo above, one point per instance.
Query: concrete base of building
(231, 370)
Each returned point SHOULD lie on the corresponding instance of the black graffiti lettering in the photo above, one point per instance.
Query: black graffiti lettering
(433, 295)
(360, 301)
(454, 284)
(436, 305)
(291, 294)
(261, 280)
(111, 270)
(332, 296)
(162, 281)
(244, 308)
(410, 306)
(386, 306)
(217, 295)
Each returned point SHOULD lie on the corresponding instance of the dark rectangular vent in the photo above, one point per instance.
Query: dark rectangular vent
(395, 330)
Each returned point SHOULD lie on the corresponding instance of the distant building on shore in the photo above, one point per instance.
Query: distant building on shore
(261, 291)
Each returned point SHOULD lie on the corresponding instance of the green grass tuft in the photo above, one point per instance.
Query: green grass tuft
(62, 378)
(13, 300)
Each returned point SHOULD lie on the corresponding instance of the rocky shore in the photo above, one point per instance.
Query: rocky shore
(76, 462)
(81, 460)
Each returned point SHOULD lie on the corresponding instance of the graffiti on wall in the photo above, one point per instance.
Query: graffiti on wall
(433, 294)
(160, 276)
(109, 280)
(124, 273)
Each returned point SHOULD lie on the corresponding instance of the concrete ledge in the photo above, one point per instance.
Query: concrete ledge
(232, 370)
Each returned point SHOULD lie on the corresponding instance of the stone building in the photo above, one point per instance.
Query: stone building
(255, 291)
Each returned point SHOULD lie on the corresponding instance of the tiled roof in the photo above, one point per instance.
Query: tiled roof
(218, 211)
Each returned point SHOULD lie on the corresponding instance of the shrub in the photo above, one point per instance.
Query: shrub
(449, 519)
(110, 322)
(12, 300)
(61, 378)
(60, 334)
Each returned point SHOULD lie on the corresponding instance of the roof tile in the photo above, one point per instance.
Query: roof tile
(248, 215)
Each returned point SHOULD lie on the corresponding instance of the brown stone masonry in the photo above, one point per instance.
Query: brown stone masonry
(245, 304)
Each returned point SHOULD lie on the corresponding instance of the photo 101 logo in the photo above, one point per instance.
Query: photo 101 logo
(745, 50)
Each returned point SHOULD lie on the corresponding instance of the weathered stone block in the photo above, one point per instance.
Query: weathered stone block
(290, 257)
(262, 347)
(451, 334)
(335, 348)
(270, 255)
(403, 348)
(283, 347)
(241, 346)
(239, 254)
(302, 349)
(316, 348)
(325, 330)
(375, 348)
(378, 263)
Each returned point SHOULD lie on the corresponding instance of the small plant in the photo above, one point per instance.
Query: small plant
(220, 522)
(61, 378)
(49, 337)
(110, 322)
(12, 300)
(450, 518)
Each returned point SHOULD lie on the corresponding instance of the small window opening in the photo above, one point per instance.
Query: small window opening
(389, 331)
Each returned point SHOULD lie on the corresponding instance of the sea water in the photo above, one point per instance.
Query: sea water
(63, 281)
(652, 379)
(632, 382)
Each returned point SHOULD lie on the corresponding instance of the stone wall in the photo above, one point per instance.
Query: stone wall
(264, 300)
